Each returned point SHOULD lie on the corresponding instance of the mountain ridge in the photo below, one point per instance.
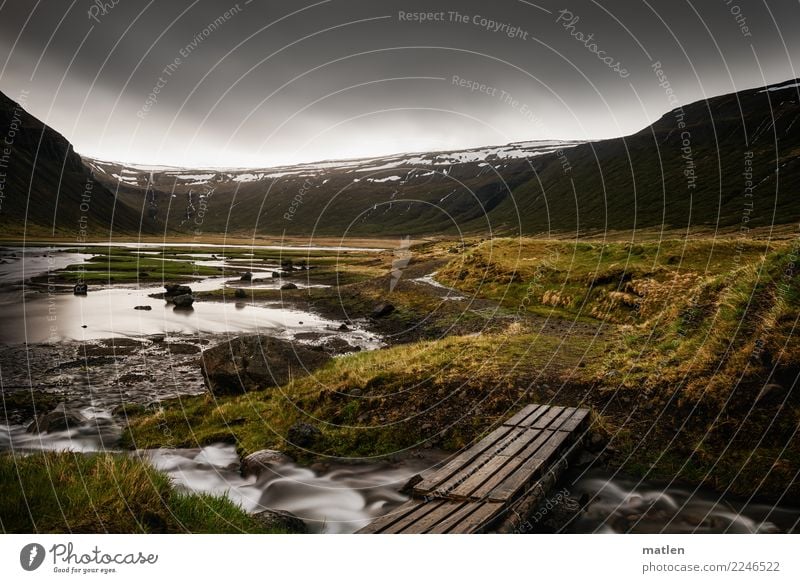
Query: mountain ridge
(686, 169)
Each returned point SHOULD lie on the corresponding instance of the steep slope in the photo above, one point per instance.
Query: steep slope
(729, 161)
(410, 194)
(732, 161)
(45, 187)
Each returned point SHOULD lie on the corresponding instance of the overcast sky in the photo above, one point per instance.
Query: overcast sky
(276, 82)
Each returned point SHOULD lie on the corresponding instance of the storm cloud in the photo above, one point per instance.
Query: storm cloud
(262, 83)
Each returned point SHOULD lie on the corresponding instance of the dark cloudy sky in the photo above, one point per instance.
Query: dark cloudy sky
(285, 81)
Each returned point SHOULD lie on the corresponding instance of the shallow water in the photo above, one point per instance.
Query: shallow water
(21, 263)
(200, 245)
(109, 313)
(616, 504)
(340, 499)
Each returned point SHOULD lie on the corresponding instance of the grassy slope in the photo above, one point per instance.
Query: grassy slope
(655, 337)
(105, 493)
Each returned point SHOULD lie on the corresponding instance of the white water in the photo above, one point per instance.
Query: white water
(620, 505)
(341, 499)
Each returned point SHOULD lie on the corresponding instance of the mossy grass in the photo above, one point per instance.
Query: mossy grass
(106, 493)
(671, 343)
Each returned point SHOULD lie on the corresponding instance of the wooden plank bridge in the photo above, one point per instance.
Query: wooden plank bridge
(481, 488)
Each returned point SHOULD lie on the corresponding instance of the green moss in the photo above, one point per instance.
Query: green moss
(105, 493)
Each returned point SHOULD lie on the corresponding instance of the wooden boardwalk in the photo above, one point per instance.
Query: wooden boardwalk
(477, 487)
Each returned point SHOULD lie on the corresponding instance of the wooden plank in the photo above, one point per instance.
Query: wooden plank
(532, 417)
(387, 520)
(531, 447)
(559, 421)
(411, 518)
(436, 477)
(465, 488)
(431, 519)
(530, 469)
(543, 421)
(485, 512)
(467, 474)
(463, 509)
(521, 415)
(576, 421)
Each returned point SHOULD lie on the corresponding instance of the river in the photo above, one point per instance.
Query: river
(46, 335)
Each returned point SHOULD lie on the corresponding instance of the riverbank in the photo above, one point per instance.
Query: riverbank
(106, 493)
(632, 331)
(684, 350)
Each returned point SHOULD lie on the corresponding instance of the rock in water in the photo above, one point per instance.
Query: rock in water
(255, 362)
(281, 520)
(240, 293)
(146, 308)
(286, 286)
(183, 301)
(257, 462)
(58, 419)
(303, 435)
(382, 309)
(246, 276)
(175, 289)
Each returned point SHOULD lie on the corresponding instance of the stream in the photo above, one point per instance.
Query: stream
(97, 352)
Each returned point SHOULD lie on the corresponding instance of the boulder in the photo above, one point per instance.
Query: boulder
(382, 309)
(303, 435)
(336, 346)
(240, 293)
(183, 301)
(175, 289)
(246, 276)
(257, 462)
(281, 520)
(255, 362)
(80, 289)
(146, 308)
(58, 419)
(276, 274)
(287, 286)
(343, 328)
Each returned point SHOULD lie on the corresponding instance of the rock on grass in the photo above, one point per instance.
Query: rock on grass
(248, 363)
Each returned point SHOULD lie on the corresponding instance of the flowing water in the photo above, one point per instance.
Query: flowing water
(614, 504)
(335, 498)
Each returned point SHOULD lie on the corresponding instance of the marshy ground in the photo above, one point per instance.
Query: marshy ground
(685, 350)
